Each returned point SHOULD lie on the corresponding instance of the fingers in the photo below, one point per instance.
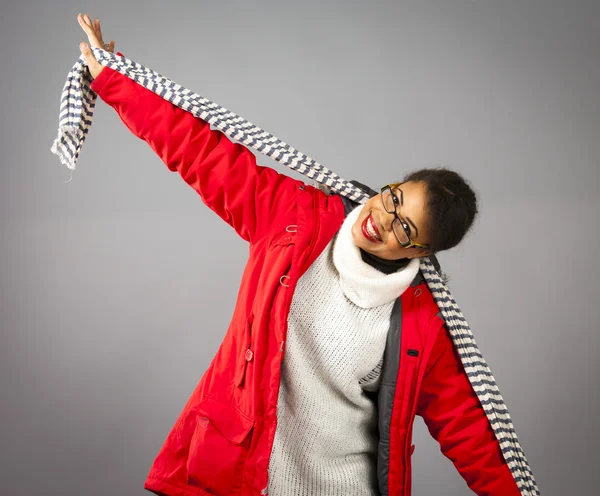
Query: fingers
(86, 27)
(91, 29)
(83, 24)
(94, 66)
(98, 29)
(87, 53)
(88, 21)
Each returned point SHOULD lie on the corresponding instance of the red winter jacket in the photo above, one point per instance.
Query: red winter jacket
(221, 442)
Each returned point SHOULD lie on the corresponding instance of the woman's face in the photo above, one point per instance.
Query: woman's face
(412, 211)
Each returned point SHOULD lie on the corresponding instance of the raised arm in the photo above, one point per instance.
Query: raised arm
(456, 420)
(223, 173)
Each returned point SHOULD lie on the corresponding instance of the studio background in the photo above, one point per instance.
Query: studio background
(117, 287)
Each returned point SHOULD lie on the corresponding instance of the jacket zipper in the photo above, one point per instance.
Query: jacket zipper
(310, 246)
(309, 251)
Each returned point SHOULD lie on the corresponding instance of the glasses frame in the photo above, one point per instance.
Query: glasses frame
(408, 243)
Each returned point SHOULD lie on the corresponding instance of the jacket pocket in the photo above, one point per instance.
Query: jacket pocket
(408, 394)
(246, 351)
(219, 447)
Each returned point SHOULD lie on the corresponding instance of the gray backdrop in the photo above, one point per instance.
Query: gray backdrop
(117, 287)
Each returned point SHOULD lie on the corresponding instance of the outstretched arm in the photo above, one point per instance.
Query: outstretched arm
(223, 173)
(456, 420)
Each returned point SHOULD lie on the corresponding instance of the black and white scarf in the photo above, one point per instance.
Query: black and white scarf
(75, 119)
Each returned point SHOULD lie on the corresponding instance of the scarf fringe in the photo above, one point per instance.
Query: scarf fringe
(77, 106)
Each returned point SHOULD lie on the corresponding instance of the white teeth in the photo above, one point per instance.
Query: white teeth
(371, 229)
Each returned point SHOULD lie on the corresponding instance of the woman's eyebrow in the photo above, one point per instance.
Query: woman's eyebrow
(408, 218)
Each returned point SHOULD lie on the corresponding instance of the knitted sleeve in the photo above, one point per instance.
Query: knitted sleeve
(223, 173)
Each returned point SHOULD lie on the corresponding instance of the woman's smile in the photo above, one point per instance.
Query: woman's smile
(370, 230)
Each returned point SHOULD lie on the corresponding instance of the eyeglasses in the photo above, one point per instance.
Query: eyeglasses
(400, 228)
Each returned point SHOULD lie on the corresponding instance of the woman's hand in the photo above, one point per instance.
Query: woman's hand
(95, 38)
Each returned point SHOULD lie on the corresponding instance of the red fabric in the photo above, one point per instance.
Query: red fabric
(454, 417)
(221, 442)
(225, 174)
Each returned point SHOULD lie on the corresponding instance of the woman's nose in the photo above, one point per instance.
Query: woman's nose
(386, 220)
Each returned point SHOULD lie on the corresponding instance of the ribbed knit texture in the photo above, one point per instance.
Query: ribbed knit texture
(326, 437)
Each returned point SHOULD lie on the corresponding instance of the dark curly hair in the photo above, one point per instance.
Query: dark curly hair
(451, 204)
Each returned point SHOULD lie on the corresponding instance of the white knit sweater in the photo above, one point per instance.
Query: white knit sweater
(326, 437)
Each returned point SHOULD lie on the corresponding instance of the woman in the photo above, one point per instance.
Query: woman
(335, 287)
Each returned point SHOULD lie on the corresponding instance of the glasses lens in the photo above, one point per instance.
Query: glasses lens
(388, 201)
(399, 231)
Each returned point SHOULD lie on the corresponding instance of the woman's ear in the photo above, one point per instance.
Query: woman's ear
(423, 252)
(415, 252)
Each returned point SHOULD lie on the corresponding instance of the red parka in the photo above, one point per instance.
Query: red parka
(221, 442)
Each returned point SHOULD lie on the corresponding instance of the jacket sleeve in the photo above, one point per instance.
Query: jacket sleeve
(455, 418)
(223, 173)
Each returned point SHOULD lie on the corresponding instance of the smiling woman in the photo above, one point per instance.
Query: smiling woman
(342, 343)
(431, 210)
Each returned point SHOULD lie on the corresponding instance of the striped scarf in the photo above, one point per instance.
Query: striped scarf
(75, 119)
